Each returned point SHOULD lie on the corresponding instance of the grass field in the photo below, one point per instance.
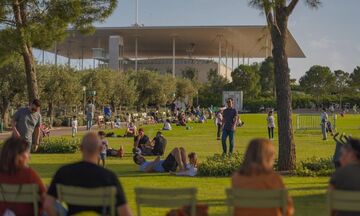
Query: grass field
(307, 192)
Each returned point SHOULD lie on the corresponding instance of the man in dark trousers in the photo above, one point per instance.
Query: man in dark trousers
(229, 122)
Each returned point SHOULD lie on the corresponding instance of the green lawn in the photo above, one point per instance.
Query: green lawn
(308, 193)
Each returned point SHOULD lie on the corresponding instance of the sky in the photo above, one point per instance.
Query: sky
(329, 36)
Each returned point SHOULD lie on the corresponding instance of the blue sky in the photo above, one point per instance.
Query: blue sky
(328, 36)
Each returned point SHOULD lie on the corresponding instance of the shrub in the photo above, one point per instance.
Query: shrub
(59, 145)
(315, 167)
(218, 165)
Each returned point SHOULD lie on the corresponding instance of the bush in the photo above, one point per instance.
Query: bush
(315, 167)
(218, 165)
(59, 145)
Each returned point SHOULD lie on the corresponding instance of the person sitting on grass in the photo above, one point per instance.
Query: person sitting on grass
(167, 125)
(256, 172)
(176, 158)
(347, 177)
(130, 130)
(104, 148)
(86, 174)
(191, 167)
(159, 144)
(142, 143)
(14, 169)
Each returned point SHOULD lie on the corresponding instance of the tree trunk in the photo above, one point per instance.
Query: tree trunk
(5, 112)
(287, 155)
(50, 113)
(19, 10)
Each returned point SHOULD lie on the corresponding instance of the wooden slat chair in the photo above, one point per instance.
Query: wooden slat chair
(166, 198)
(94, 197)
(21, 193)
(251, 198)
(341, 200)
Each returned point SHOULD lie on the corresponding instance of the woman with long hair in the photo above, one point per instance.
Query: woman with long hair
(14, 169)
(257, 172)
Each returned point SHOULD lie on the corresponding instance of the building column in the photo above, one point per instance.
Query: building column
(219, 62)
(173, 57)
(56, 52)
(136, 54)
(226, 61)
(82, 58)
(238, 59)
(114, 42)
(232, 59)
(68, 53)
(266, 46)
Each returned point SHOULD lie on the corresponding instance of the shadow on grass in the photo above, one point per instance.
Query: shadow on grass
(310, 205)
(120, 170)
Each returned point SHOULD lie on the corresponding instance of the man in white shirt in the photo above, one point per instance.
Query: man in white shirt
(324, 119)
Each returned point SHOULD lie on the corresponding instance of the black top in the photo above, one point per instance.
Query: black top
(229, 115)
(87, 175)
(160, 144)
(347, 178)
(142, 141)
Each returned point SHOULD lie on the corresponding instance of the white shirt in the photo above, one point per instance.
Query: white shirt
(74, 123)
(219, 118)
(190, 171)
(271, 121)
(167, 126)
(324, 117)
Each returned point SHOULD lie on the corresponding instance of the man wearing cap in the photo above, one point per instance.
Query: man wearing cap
(26, 123)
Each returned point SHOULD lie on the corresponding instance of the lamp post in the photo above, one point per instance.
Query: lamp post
(84, 94)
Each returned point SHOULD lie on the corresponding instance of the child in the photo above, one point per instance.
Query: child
(271, 125)
(74, 125)
(104, 148)
(167, 125)
(191, 167)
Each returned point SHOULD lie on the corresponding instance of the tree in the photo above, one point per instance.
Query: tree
(246, 78)
(318, 81)
(267, 80)
(40, 23)
(277, 13)
(185, 90)
(124, 91)
(210, 93)
(341, 84)
(59, 86)
(355, 79)
(190, 73)
(12, 80)
(153, 88)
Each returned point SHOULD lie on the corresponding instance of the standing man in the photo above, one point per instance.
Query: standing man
(90, 111)
(229, 125)
(26, 124)
(324, 119)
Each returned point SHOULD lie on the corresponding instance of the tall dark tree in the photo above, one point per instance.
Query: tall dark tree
(277, 13)
(190, 73)
(246, 78)
(267, 79)
(40, 23)
(318, 81)
(341, 84)
(355, 79)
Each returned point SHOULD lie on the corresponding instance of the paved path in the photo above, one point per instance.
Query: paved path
(59, 131)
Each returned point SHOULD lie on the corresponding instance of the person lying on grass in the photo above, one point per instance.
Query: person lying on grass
(190, 168)
(176, 159)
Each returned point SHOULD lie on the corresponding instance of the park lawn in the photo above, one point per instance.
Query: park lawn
(307, 192)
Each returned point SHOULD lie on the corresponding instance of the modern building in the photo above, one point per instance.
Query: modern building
(171, 49)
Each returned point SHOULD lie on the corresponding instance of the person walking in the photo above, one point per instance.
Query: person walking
(218, 122)
(271, 124)
(324, 119)
(26, 124)
(229, 121)
(90, 111)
